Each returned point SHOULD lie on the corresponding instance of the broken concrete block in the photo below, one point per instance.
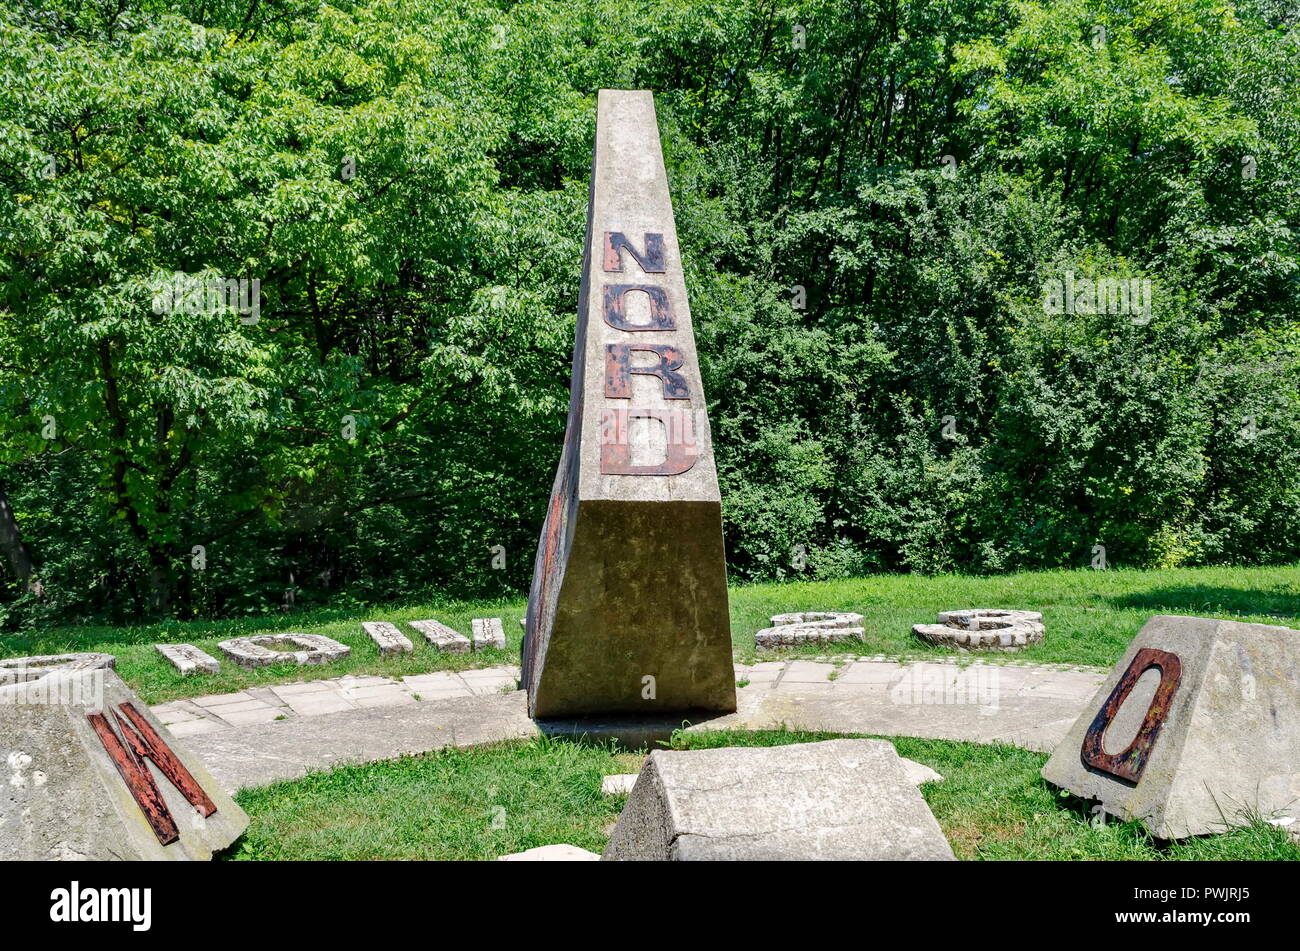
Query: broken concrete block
(441, 637)
(265, 650)
(91, 774)
(918, 772)
(618, 785)
(488, 632)
(188, 659)
(628, 609)
(1196, 729)
(834, 800)
(387, 637)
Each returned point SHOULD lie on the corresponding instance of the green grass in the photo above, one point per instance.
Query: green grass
(1090, 615)
(488, 801)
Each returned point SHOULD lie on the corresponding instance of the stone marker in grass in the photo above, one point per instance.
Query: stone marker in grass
(387, 637)
(811, 627)
(628, 608)
(265, 650)
(984, 629)
(93, 775)
(441, 637)
(488, 632)
(16, 670)
(834, 800)
(188, 659)
(1196, 729)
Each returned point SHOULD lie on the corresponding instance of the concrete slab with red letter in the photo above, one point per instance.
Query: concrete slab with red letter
(90, 773)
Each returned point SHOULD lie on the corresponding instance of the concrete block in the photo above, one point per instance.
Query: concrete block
(92, 774)
(834, 800)
(1196, 728)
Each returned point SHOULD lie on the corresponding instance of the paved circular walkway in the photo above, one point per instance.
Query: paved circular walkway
(265, 734)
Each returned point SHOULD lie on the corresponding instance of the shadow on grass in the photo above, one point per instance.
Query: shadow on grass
(1210, 599)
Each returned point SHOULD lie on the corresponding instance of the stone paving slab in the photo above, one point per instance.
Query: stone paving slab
(437, 684)
(253, 756)
(197, 727)
(317, 703)
(381, 695)
(219, 699)
(250, 717)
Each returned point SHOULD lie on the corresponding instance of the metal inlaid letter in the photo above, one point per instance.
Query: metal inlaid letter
(146, 745)
(1129, 763)
(616, 445)
(652, 262)
(618, 370)
(662, 316)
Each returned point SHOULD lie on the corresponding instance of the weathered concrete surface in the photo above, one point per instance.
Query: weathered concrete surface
(62, 797)
(188, 659)
(488, 632)
(17, 670)
(312, 650)
(552, 853)
(628, 610)
(836, 800)
(441, 637)
(387, 637)
(269, 752)
(1230, 741)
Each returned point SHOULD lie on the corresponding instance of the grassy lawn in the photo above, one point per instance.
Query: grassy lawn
(493, 800)
(1090, 615)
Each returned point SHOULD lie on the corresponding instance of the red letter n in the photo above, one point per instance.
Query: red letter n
(144, 745)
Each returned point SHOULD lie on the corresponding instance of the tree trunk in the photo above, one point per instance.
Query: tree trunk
(11, 542)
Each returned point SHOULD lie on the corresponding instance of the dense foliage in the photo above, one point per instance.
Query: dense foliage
(872, 198)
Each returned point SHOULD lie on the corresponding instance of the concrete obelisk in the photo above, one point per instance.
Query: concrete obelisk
(628, 609)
